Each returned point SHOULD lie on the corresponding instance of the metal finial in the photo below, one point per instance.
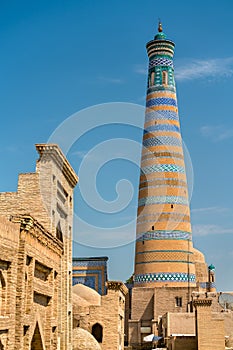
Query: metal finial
(160, 28)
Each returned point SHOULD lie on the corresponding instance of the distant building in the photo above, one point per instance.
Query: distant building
(92, 272)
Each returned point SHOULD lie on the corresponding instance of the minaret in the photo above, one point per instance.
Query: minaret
(164, 241)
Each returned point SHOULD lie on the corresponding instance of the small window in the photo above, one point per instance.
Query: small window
(28, 260)
(172, 206)
(178, 301)
(59, 234)
(25, 329)
(164, 77)
(97, 332)
(152, 78)
(152, 228)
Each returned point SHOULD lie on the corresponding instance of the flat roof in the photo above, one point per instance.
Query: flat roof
(182, 335)
(105, 258)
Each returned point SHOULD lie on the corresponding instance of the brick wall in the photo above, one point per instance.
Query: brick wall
(210, 331)
(47, 196)
(150, 304)
(110, 315)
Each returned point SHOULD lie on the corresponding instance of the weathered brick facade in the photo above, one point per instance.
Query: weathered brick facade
(107, 314)
(210, 330)
(150, 304)
(36, 256)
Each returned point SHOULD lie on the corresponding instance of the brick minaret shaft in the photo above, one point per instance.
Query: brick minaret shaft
(164, 242)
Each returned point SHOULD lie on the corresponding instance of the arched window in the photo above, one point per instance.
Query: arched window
(36, 343)
(152, 79)
(59, 232)
(97, 332)
(212, 278)
(164, 77)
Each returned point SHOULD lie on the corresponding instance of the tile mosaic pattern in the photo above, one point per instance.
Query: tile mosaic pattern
(162, 168)
(163, 276)
(161, 127)
(162, 141)
(160, 61)
(164, 235)
(88, 281)
(89, 263)
(161, 101)
(83, 276)
(162, 199)
(90, 272)
(160, 115)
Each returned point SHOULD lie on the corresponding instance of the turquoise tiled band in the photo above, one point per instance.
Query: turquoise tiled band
(166, 277)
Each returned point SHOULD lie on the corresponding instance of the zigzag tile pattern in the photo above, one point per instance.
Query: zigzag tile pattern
(164, 235)
(160, 115)
(162, 127)
(162, 140)
(161, 101)
(161, 61)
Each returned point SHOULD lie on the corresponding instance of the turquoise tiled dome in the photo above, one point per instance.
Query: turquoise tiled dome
(160, 36)
(211, 267)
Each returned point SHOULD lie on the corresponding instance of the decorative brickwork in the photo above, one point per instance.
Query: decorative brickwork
(163, 206)
(36, 257)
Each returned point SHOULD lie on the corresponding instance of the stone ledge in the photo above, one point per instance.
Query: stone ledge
(55, 153)
(202, 302)
(117, 285)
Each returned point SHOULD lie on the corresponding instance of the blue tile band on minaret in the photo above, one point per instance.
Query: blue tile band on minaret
(164, 238)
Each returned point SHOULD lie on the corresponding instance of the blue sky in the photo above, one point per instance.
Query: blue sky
(59, 57)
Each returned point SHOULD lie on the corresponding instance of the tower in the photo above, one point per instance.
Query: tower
(164, 241)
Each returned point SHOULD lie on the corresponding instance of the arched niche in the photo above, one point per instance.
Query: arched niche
(97, 332)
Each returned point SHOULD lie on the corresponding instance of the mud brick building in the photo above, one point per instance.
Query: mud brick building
(36, 256)
(101, 315)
